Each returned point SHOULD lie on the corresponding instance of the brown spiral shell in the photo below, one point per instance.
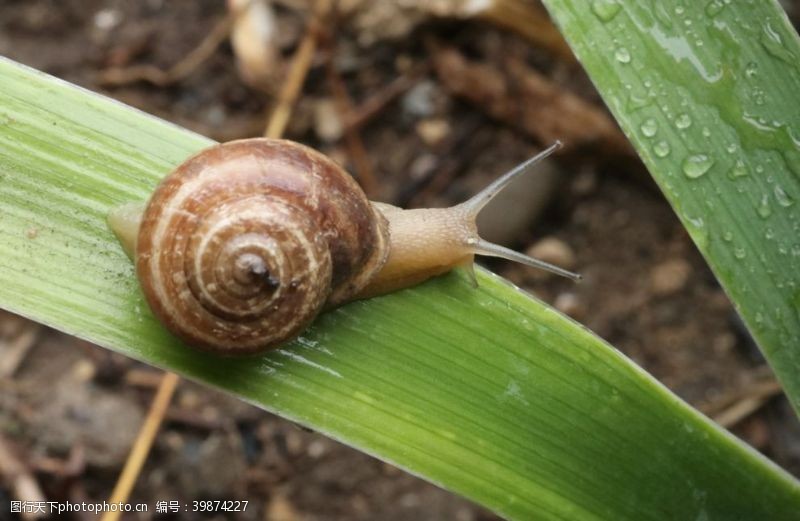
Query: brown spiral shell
(243, 244)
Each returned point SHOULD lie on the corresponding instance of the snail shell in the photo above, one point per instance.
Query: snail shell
(243, 245)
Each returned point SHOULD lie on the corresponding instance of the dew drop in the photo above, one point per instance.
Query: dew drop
(606, 10)
(738, 170)
(697, 165)
(764, 208)
(637, 101)
(683, 121)
(759, 320)
(727, 236)
(714, 7)
(773, 43)
(697, 229)
(649, 127)
(739, 252)
(623, 55)
(661, 149)
(784, 199)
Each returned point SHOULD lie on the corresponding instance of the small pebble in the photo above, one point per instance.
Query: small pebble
(216, 115)
(32, 233)
(585, 182)
(173, 440)
(107, 19)
(569, 304)
(295, 444)
(553, 250)
(409, 500)
(83, 371)
(280, 508)
(327, 123)
(670, 277)
(433, 131)
(316, 449)
(188, 399)
(465, 514)
(420, 101)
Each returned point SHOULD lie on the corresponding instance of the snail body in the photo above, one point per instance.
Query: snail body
(245, 243)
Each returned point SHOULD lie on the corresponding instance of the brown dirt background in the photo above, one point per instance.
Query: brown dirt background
(71, 410)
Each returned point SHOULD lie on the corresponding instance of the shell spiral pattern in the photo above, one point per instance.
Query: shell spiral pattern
(245, 243)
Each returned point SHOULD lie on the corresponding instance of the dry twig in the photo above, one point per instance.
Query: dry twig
(458, 150)
(377, 102)
(734, 407)
(526, 100)
(162, 78)
(15, 351)
(352, 135)
(144, 378)
(73, 466)
(141, 448)
(298, 70)
(22, 482)
(530, 22)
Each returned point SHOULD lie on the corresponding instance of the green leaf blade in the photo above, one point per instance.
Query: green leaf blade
(486, 392)
(708, 94)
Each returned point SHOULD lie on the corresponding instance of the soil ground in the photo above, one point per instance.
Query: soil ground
(71, 410)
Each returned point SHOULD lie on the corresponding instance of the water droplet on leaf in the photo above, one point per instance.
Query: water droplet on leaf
(759, 320)
(714, 7)
(784, 199)
(606, 10)
(649, 127)
(661, 149)
(764, 208)
(773, 43)
(738, 170)
(697, 229)
(697, 165)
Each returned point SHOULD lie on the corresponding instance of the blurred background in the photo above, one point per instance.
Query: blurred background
(425, 103)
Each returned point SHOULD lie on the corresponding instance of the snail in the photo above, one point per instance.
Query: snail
(245, 243)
